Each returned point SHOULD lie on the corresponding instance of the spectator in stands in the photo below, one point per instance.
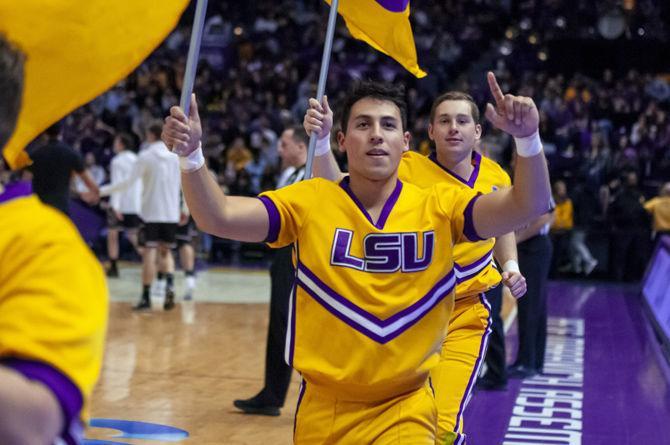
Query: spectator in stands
(659, 208)
(561, 227)
(630, 233)
(585, 209)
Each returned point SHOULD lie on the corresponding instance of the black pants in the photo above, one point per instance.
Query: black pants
(630, 247)
(277, 372)
(534, 261)
(495, 354)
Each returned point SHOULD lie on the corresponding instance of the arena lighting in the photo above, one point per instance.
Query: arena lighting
(640, 32)
(612, 24)
(238, 31)
(532, 39)
(542, 55)
(560, 22)
(525, 24)
(506, 48)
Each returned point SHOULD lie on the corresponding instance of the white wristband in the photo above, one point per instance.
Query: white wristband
(193, 161)
(529, 146)
(322, 146)
(511, 266)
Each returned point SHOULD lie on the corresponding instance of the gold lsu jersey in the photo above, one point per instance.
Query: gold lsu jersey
(474, 266)
(372, 300)
(53, 299)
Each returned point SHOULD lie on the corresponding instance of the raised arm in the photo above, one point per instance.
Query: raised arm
(319, 118)
(501, 212)
(233, 217)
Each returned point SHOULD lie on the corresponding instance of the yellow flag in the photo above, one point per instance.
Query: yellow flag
(384, 25)
(76, 50)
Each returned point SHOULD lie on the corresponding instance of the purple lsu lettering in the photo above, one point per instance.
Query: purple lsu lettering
(384, 252)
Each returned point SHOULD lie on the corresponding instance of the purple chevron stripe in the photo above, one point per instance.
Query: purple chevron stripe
(416, 305)
(366, 315)
(393, 5)
(362, 329)
(472, 266)
(475, 264)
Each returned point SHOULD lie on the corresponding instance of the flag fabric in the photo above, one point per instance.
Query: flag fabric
(384, 25)
(75, 51)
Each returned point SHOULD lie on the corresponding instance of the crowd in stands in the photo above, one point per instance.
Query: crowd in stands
(604, 134)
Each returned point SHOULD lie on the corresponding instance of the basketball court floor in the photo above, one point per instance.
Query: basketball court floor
(171, 377)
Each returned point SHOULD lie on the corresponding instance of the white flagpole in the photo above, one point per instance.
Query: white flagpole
(193, 56)
(323, 77)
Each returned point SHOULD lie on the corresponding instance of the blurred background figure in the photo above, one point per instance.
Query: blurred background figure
(124, 205)
(293, 154)
(535, 252)
(54, 166)
(561, 228)
(659, 208)
(630, 230)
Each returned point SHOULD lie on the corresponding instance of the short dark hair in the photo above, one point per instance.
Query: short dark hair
(375, 90)
(455, 95)
(126, 140)
(299, 134)
(155, 128)
(11, 87)
(55, 130)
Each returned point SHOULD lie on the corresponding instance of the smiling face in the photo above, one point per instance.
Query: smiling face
(453, 129)
(374, 140)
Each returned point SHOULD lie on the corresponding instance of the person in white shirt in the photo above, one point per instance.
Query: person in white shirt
(124, 206)
(158, 169)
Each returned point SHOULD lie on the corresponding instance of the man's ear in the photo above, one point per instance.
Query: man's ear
(340, 141)
(478, 131)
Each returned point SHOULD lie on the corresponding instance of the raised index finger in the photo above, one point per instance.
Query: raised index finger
(497, 93)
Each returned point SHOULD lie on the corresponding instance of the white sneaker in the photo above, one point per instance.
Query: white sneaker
(190, 288)
(158, 288)
(588, 268)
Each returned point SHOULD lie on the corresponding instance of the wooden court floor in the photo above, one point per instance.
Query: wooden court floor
(185, 367)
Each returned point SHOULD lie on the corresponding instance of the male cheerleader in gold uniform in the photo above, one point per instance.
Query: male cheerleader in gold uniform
(454, 128)
(375, 273)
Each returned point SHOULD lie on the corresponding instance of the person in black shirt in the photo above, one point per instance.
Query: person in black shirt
(293, 153)
(630, 230)
(53, 166)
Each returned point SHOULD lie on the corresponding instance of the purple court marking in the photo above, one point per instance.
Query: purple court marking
(393, 5)
(626, 394)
